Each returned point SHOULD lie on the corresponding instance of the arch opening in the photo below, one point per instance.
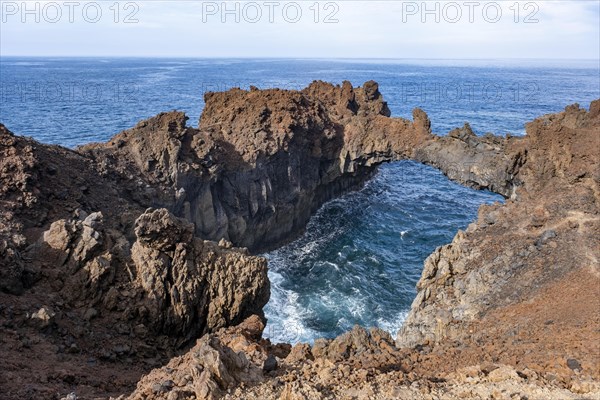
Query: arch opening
(362, 254)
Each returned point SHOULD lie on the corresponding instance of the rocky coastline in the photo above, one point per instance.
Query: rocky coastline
(129, 269)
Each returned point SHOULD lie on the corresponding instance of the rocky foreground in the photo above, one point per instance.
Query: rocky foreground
(129, 268)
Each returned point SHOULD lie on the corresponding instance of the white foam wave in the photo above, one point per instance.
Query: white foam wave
(394, 324)
(285, 315)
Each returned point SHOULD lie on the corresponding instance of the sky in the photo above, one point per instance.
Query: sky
(303, 29)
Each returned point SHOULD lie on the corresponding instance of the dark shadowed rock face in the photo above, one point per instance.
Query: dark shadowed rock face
(262, 162)
(171, 282)
(192, 285)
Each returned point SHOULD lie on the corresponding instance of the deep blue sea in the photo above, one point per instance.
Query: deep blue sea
(74, 101)
(362, 254)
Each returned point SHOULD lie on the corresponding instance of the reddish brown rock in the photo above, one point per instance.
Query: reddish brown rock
(96, 289)
(262, 161)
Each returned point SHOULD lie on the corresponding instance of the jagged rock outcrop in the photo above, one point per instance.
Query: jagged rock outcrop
(491, 319)
(177, 284)
(547, 233)
(193, 286)
(263, 161)
(116, 303)
(482, 162)
(221, 362)
(217, 363)
(361, 364)
(109, 261)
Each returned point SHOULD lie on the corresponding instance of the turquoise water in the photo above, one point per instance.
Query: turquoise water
(362, 254)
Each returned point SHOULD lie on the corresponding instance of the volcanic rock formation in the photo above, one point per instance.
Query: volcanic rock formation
(549, 229)
(507, 310)
(262, 162)
(116, 257)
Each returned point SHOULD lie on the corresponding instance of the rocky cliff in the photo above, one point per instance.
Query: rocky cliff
(547, 231)
(93, 283)
(263, 161)
(118, 256)
(109, 249)
(508, 310)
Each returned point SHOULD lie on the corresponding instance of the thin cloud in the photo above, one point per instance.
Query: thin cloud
(569, 30)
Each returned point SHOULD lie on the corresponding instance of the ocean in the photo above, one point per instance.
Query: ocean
(362, 254)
